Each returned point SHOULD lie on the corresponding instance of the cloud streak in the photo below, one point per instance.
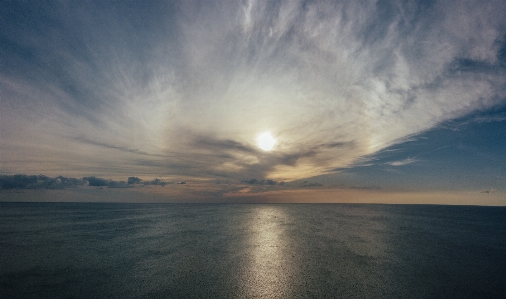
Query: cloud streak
(402, 162)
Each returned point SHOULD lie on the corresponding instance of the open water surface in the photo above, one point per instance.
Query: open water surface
(90, 250)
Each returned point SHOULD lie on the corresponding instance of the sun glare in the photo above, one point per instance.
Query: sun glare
(266, 142)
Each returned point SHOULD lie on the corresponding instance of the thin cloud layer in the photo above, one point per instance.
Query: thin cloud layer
(183, 88)
(402, 162)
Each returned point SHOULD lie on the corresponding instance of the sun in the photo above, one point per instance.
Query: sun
(265, 141)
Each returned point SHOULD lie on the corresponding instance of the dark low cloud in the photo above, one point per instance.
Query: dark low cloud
(208, 143)
(115, 147)
(338, 144)
(291, 159)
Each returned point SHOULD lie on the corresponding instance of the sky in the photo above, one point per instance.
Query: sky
(402, 95)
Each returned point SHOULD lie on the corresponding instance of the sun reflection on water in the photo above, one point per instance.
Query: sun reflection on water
(268, 274)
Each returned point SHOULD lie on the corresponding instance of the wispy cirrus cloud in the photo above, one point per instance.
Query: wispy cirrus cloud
(183, 83)
(403, 162)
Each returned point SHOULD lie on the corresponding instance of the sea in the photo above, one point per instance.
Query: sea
(119, 250)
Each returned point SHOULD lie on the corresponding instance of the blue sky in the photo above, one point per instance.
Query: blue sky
(391, 94)
(464, 154)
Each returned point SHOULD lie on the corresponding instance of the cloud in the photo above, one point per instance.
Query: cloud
(457, 125)
(115, 147)
(403, 162)
(222, 145)
(176, 84)
(338, 144)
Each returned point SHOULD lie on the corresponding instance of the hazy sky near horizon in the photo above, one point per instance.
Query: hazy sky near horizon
(357, 93)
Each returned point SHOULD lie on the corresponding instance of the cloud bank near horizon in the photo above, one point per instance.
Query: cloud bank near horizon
(183, 88)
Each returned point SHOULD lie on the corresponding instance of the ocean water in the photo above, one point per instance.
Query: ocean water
(90, 250)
